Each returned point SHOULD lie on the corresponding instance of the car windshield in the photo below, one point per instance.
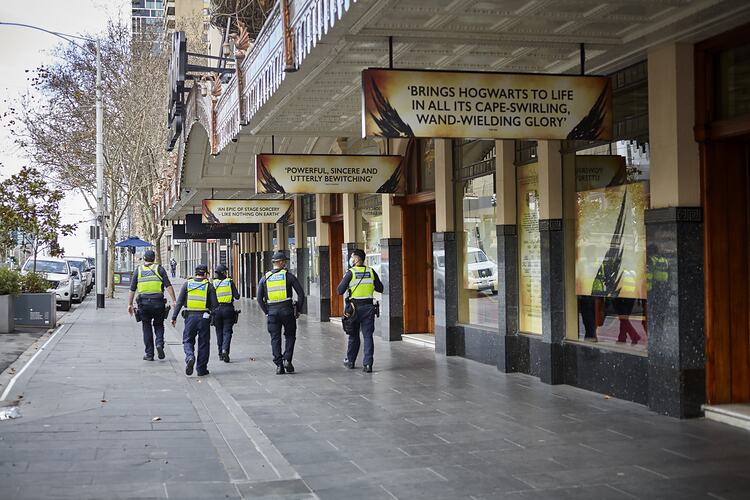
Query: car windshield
(46, 266)
(476, 256)
(78, 264)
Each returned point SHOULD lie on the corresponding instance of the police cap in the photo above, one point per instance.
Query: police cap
(277, 256)
(201, 269)
(221, 269)
(359, 253)
(149, 256)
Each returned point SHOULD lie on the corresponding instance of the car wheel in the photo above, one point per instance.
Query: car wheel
(65, 306)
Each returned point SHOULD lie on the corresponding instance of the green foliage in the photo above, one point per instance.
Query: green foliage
(9, 282)
(31, 207)
(34, 283)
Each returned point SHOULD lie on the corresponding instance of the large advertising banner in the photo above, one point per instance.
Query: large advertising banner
(453, 104)
(598, 171)
(247, 211)
(301, 174)
(611, 241)
(529, 251)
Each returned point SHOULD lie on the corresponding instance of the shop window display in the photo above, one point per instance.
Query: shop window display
(369, 214)
(310, 241)
(476, 227)
(607, 193)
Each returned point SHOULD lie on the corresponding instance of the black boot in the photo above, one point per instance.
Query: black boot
(367, 368)
(280, 370)
(288, 366)
(225, 357)
(160, 351)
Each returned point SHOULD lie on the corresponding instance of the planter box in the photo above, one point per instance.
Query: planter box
(36, 309)
(7, 318)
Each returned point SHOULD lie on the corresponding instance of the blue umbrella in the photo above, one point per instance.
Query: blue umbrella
(133, 241)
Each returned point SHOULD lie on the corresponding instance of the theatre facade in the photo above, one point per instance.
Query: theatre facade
(561, 191)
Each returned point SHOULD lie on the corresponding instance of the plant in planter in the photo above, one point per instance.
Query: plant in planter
(34, 283)
(9, 288)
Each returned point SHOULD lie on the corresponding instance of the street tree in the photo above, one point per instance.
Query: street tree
(30, 207)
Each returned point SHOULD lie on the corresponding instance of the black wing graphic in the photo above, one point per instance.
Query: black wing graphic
(607, 281)
(591, 126)
(389, 122)
(269, 183)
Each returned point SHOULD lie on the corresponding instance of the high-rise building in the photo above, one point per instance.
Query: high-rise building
(147, 16)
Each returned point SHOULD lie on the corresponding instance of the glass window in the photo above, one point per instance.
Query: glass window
(427, 170)
(291, 245)
(733, 82)
(369, 212)
(529, 250)
(46, 266)
(476, 227)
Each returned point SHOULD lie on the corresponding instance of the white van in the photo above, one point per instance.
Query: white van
(481, 272)
(59, 274)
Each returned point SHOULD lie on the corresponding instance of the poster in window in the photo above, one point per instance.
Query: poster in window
(529, 254)
(611, 241)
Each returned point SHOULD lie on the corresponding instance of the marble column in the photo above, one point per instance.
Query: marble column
(674, 238)
(549, 356)
(390, 325)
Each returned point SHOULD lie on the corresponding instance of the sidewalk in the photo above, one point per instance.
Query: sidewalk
(420, 426)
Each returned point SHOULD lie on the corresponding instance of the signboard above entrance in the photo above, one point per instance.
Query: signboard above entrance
(247, 211)
(300, 174)
(451, 104)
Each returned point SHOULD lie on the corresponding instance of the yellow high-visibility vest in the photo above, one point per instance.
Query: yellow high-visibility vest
(224, 290)
(276, 287)
(362, 285)
(149, 280)
(197, 295)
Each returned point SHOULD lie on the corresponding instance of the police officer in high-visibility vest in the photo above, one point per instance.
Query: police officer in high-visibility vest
(275, 299)
(150, 281)
(224, 315)
(199, 295)
(360, 283)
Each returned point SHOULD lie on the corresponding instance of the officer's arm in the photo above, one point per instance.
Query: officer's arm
(180, 302)
(213, 301)
(262, 295)
(378, 283)
(344, 285)
(235, 292)
(133, 288)
(297, 288)
(167, 284)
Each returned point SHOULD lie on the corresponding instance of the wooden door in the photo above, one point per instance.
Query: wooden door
(418, 224)
(336, 240)
(726, 196)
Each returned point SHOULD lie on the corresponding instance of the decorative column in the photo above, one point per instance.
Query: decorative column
(448, 337)
(549, 358)
(301, 250)
(266, 247)
(507, 254)
(391, 321)
(350, 229)
(674, 238)
(323, 287)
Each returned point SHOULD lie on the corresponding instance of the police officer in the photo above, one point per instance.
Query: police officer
(150, 282)
(360, 283)
(275, 299)
(199, 295)
(224, 315)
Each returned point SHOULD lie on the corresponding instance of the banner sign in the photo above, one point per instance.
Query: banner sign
(194, 225)
(529, 250)
(179, 233)
(247, 211)
(598, 171)
(453, 104)
(611, 241)
(301, 174)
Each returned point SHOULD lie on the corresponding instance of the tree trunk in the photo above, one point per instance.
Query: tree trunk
(110, 267)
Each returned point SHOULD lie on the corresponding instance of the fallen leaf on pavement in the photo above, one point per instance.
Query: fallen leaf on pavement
(156, 419)
(104, 400)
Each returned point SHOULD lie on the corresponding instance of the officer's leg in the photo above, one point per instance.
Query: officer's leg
(274, 328)
(148, 333)
(290, 334)
(219, 324)
(188, 336)
(204, 344)
(352, 347)
(158, 315)
(228, 329)
(367, 323)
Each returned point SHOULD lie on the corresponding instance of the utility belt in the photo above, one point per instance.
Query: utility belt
(187, 312)
(152, 301)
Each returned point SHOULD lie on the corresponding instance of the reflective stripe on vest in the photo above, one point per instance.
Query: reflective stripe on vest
(224, 290)
(149, 280)
(197, 295)
(365, 288)
(276, 287)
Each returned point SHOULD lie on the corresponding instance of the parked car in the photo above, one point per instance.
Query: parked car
(79, 286)
(59, 275)
(92, 267)
(82, 264)
(481, 272)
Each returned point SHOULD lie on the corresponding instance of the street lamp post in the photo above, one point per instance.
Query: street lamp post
(101, 270)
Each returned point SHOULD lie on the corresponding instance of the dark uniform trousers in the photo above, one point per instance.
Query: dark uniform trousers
(282, 315)
(224, 321)
(152, 322)
(196, 324)
(364, 321)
